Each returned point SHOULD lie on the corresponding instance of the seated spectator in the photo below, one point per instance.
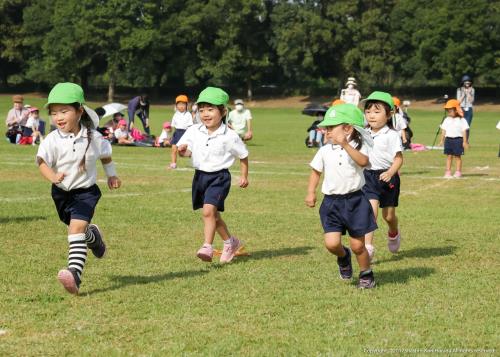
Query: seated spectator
(165, 138)
(122, 135)
(16, 119)
(34, 125)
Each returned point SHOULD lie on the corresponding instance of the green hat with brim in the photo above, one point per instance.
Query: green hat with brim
(69, 93)
(347, 114)
(213, 95)
(380, 97)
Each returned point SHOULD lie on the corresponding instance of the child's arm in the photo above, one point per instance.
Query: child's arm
(311, 188)
(396, 165)
(109, 168)
(464, 136)
(443, 136)
(48, 173)
(244, 172)
(403, 136)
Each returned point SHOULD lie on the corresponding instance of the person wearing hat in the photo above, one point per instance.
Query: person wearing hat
(67, 158)
(165, 138)
(122, 135)
(213, 148)
(386, 158)
(350, 94)
(454, 136)
(240, 120)
(401, 123)
(344, 207)
(139, 106)
(33, 124)
(466, 96)
(181, 120)
(16, 119)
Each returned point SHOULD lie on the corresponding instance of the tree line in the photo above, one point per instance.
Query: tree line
(292, 45)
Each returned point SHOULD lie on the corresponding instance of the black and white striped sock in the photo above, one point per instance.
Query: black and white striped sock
(77, 255)
(89, 236)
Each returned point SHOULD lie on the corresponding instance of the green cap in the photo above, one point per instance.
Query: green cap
(65, 93)
(343, 114)
(381, 97)
(213, 95)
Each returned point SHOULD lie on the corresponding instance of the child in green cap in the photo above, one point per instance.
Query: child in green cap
(67, 158)
(382, 179)
(213, 148)
(344, 207)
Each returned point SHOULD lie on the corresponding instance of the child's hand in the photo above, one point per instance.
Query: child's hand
(243, 182)
(338, 135)
(58, 177)
(114, 182)
(310, 200)
(466, 145)
(385, 176)
(182, 149)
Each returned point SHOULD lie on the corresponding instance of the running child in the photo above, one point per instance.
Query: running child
(67, 158)
(344, 207)
(454, 135)
(382, 179)
(213, 148)
(181, 120)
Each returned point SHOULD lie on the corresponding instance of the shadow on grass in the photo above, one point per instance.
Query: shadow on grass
(411, 173)
(120, 281)
(21, 219)
(474, 175)
(420, 253)
(401, 276)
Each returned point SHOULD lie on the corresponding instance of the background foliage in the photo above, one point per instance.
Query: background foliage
(291, 45)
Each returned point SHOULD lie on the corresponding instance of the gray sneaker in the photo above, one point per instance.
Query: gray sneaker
(345, 266)
(366, 280)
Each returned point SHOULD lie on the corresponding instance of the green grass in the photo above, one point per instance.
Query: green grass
(152, 296)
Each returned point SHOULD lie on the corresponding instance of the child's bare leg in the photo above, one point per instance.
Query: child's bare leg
(333, 243)
(209, 215)
(369, 236)
(448, 162)
(221, 227)
(173, 154)
(458, 163)
(77, 226)
(358, 248)
(389, 215)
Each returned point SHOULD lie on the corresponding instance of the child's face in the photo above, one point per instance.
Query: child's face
(210, 116)
(34, 114)
(181, 106)
(376, 116)
(66, 117)
(452, 112)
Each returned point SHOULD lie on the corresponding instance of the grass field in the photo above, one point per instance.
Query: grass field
(152, 296)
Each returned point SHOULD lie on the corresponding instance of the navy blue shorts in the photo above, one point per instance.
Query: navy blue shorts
(211, 188)
(454, 146)
(387, 193)
(351, 212)
(76, 204)
(177, 136)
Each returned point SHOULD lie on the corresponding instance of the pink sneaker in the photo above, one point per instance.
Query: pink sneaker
(447, 174)
(205, 253)
(230, 249)
(173, 165)
(69, 280)
(371, 251)
(394, 243)
(457, 174)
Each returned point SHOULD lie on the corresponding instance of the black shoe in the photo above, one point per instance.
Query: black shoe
(98, 247)
(366, 280)
(345, 266)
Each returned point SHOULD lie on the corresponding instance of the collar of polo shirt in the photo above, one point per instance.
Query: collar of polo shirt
(220, 130)
(384, 130)
(82, 132)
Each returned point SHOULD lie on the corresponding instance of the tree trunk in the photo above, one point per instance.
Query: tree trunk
(249, 89)
(111, 90)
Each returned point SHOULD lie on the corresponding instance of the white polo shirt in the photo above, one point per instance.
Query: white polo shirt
(182, 120)
(454, 127)
(119, 133)
(400, 122)
(342, 174)
(63, 152)
(238, 120)
(386, 144)
(213, 152)
(33, 123)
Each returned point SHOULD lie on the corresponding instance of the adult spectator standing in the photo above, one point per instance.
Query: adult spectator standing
(350, 94)
(465, 95)
(240, 120)
(16, 119)
(139, 106)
